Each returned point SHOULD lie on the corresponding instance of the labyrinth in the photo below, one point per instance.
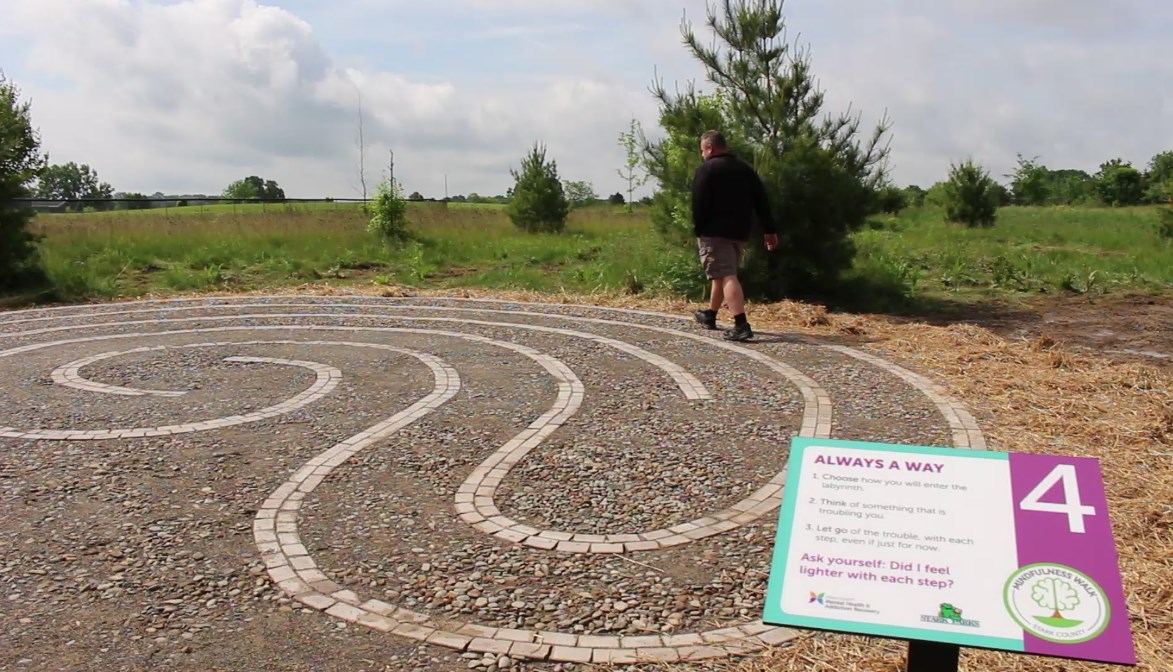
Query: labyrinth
(467, 483)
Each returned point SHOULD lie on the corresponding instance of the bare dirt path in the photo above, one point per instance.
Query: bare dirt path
(1125, 328)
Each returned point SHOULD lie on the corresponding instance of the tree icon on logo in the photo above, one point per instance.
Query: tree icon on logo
(1058, 596)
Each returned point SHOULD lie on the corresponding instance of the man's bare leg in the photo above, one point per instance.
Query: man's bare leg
(735, 301)
(733, 294)
(717, 294)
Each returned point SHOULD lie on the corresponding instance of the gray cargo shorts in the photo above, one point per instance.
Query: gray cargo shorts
(720, 257)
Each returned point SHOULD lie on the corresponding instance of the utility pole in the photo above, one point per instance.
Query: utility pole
(391, 169)
(445, 186)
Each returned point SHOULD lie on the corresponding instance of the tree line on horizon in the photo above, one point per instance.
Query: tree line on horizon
(81, 188)
(1116, 183)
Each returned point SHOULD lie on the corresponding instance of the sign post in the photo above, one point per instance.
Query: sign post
(933, 657)
(949, 548)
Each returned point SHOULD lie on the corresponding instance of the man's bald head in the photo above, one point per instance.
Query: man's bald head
(713, 142)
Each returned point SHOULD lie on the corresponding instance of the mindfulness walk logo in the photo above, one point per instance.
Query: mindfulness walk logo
(1057, 603)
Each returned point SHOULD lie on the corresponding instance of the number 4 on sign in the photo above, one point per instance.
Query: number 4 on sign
(1071, 504)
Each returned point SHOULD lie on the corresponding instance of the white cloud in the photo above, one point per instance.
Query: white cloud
(200, 92)
(190, 95)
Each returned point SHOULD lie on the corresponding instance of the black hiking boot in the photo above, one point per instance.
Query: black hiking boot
(739, 332)
(706, 318)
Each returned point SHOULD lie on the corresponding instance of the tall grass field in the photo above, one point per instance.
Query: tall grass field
(604, 249)
(135, 252)
(1028, 250)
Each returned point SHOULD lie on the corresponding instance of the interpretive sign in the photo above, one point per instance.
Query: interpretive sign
(1005, 551)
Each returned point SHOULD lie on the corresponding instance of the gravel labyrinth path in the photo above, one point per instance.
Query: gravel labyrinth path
(362, 483)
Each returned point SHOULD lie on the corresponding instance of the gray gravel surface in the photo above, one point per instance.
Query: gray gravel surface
(138, 553)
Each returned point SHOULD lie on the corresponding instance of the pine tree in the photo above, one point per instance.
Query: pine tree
(971, 195)
(820, 178)
(21, 163)
(538, 202)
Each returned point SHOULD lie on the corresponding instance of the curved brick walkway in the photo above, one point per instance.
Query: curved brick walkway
(276, 524)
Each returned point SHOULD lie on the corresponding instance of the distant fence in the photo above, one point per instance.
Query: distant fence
(73, 205)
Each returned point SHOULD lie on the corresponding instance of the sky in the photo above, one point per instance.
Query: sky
(187, 96)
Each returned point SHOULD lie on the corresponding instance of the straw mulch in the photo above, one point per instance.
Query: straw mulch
(1028, 396)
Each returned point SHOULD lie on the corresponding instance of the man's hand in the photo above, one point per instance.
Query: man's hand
(771, 241)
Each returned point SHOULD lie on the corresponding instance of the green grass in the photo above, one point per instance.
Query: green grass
(128, 254)
(476, 206)
(1030, 251)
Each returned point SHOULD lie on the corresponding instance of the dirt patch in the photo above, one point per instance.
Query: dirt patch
(1125, 328)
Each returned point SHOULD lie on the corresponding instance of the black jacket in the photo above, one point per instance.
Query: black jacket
(726, 193)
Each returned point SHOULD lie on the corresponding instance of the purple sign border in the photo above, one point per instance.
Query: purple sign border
(1044, 537)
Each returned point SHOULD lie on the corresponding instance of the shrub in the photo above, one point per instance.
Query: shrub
(891, 200)
(935, 196)
(1029, 182)
(971, 196)
(388, 212)
(1119, 184)
(914, 196)
(1165, 224)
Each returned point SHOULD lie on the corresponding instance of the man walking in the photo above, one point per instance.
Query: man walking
(726, 193)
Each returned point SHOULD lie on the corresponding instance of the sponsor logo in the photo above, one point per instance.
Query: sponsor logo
(840, 603)
(948, 614)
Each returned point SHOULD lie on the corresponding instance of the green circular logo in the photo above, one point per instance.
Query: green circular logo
(1057, 603)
